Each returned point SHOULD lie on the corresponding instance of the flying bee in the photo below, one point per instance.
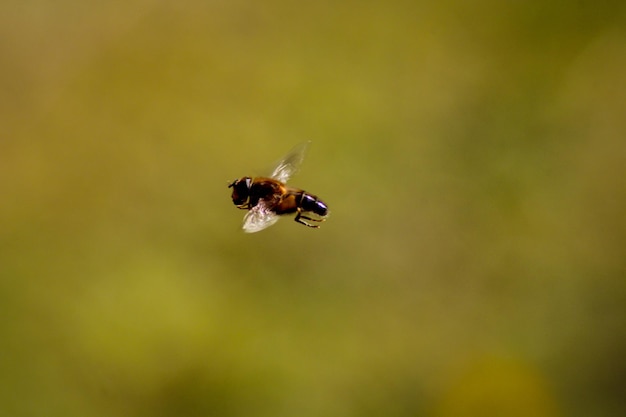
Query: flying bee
(266, 199)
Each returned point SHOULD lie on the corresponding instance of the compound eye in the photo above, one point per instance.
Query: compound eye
(308, 202)
(241, 190)
(321, 208)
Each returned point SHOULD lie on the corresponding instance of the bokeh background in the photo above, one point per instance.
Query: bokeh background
(473, 156)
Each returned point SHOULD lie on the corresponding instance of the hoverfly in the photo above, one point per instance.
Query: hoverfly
(266, 199)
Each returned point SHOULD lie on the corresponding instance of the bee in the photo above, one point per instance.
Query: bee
(268, 198)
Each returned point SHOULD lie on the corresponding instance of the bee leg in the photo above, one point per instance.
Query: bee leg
(299, 216)
(305, 223)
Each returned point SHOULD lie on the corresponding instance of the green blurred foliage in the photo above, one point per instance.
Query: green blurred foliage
(472, 155)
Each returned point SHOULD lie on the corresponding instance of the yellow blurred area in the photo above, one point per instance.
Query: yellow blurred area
(498, 387)
(472, 156)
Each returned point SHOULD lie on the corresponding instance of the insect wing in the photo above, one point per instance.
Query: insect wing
(258, 218)
(290, 164)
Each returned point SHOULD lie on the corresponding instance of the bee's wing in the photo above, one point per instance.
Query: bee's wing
(290, 164)
(258, 218)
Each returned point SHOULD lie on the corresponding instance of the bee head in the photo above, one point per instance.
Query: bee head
(241, 190)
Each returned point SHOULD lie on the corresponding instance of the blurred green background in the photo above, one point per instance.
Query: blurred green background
(472, 154)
